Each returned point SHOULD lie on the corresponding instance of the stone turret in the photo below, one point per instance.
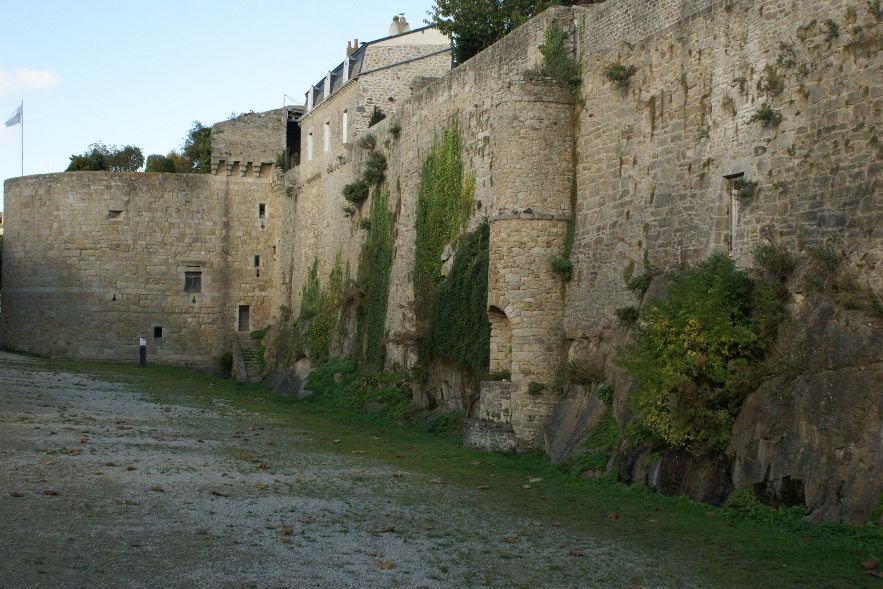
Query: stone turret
(532, 145)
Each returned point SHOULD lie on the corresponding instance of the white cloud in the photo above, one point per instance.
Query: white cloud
(21, 78)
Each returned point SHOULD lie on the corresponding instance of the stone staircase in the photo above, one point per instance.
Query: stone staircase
(250, 351)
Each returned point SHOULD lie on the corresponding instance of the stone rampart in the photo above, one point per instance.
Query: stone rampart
(96, 260)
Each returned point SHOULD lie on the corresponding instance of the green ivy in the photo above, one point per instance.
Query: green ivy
(375, 264)
(458, 328)
(444, 205)
(315, 323)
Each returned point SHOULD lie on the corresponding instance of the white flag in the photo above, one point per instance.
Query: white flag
(14, 118)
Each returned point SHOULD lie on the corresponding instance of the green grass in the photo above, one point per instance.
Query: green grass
(727, 548)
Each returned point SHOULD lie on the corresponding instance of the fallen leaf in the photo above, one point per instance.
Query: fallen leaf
(272, 444)
(493, 474)
(373, 553)
(398, 455)
(244, 455)
(305, 520)
(525, 486)
(476, 463)
(131, 468)
(637, 587)
(508, 540)
(483, 487)
(261, 486)
(358, 451)
(681, 503)
(429, 528)
(335, 441)
(47, 462)
(534, 480)
(123, 502)
(200, 441)
(386, 564)
(84, 440)
(285, 531)
(300, 479)
(709, 514)
(15, 494)
(397, 475)
(613, 516)
(110, 464)
(577, 553)
(438, 481)
(874, 574)
(49, 492)
(262, 465)
(98, 472)
(283, 540)
(870, 564)
(74, 453)
(652, 521)
(157, 489)
(388, 529)
(218, 494)
(556, 525)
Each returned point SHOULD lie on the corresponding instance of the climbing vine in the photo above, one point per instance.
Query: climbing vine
(314, 326)
(458, 328)
(375, 264)
(444, 205)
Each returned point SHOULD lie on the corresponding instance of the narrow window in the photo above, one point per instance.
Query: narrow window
(344, 131)
(262, 211)
(257, 261)
(327, 144)
(192, 281)
(114, 214)
(310, 145)
(733, 211)
(157, 331)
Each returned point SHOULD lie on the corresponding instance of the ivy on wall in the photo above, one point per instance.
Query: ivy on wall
(444, 205)
(458, 328)
(314, 326)
(375, 264)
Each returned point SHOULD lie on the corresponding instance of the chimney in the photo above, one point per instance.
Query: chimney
(399, 25)
(352, 48)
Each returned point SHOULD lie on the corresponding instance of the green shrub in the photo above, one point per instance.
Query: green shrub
(535, 388)
(628, 314)
(639, 285)
(620, 74)
(556, 62)
(374, 168)
(742, 188)
(696, 357)
(395, 130)
(775, 260)
(605, 394)
(766, 115)
(367, 141)
(356, 191)
(564, 268)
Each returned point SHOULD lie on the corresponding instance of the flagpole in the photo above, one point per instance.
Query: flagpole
(22, 138)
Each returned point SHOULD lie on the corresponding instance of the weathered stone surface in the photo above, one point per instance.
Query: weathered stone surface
(818, 440)
(486, 435)
(577, 413)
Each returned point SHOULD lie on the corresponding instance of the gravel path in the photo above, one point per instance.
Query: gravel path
(100, 487)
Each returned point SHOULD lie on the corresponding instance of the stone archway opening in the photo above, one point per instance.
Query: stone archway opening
(501, 341)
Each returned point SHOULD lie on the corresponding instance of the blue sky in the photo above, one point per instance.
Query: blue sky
(128, 73)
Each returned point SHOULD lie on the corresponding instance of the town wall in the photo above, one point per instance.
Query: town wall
(96, 260)
(655, 161)
(250, 142)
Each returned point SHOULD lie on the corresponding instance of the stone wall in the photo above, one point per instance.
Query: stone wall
(95, 260)
(655, 161)
(249, 143)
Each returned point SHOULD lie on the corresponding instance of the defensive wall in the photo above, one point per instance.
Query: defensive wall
(93, 261)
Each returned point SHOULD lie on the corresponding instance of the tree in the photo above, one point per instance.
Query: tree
(100, 157)
(169, 164)
(198, 148)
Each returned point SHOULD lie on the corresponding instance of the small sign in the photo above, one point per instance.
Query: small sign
(143, 341)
